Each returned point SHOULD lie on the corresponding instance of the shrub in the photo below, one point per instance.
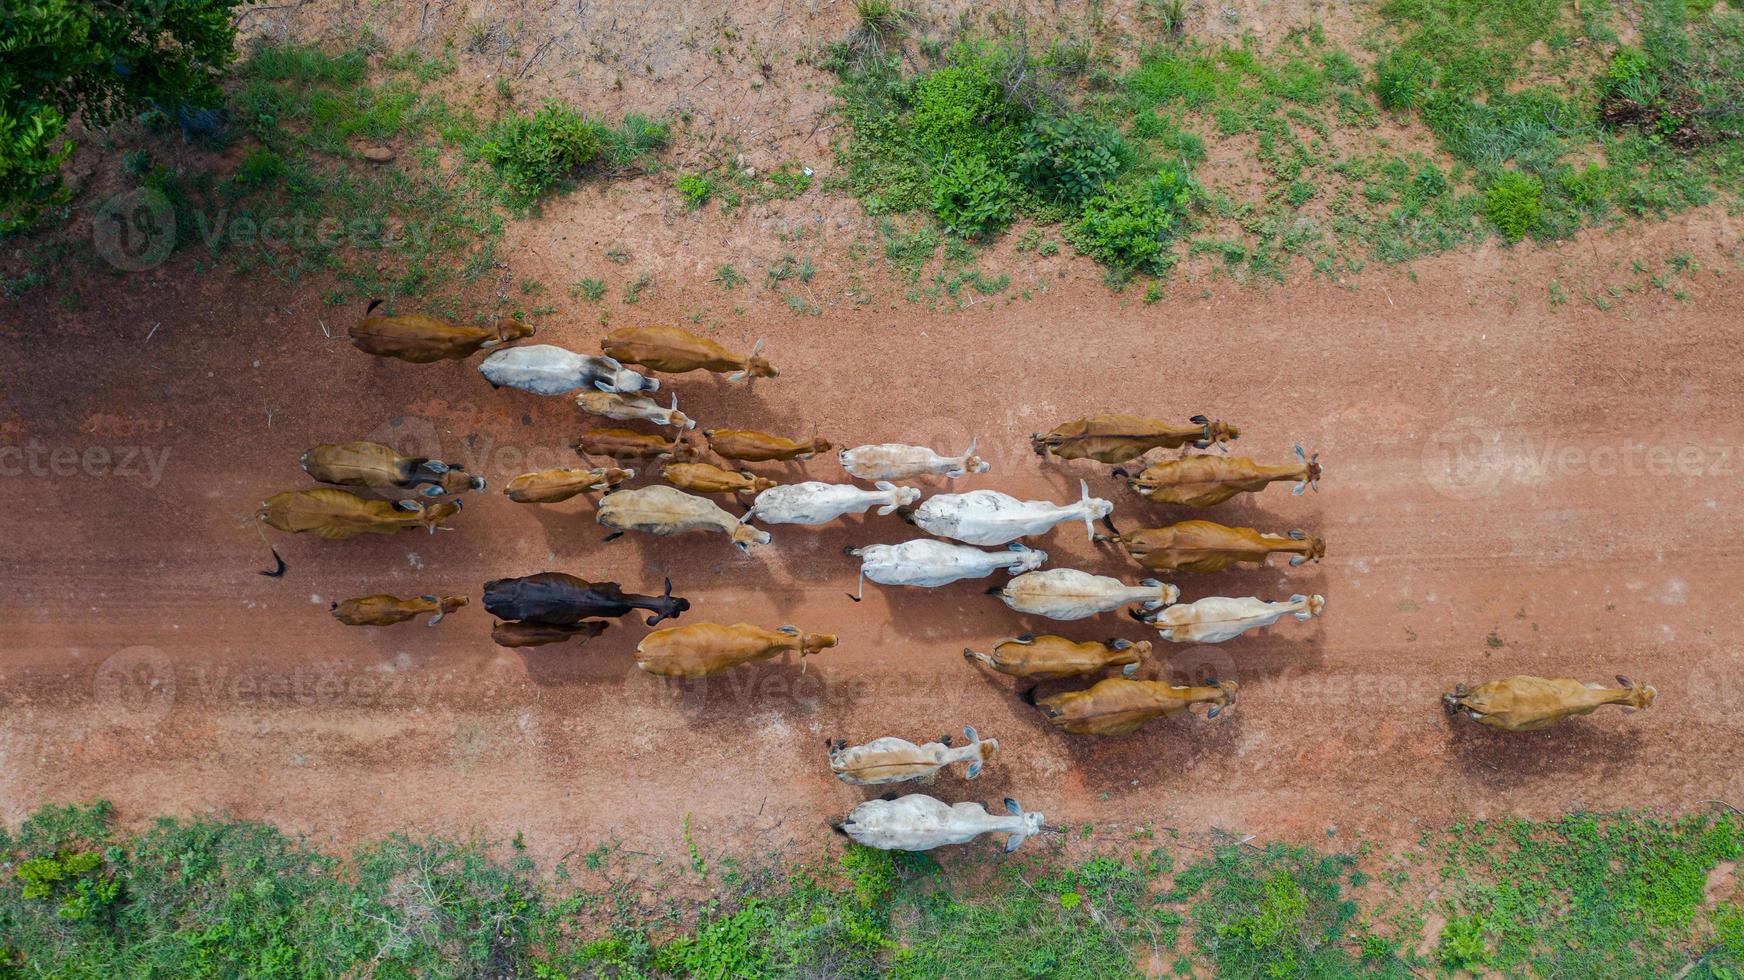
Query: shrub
(961, 109)
(1514, 203)
(535, 151)
(1128, 226)
(101, 61)
(971, 196)
(694, 188)
(1069, 160)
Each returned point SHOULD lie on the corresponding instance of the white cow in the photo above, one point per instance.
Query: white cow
(927, 563)
(1217, 618)
(547, 370)
(1066, 593)
(628, 408)
(991, 517)
(921, 823)
(895, 461)
(814, 502)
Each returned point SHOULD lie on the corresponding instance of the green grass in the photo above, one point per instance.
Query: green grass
(1549, 123)
(301, 201)
(1585, 895)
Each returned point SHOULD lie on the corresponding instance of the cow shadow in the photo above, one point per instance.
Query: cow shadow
(1581, 747)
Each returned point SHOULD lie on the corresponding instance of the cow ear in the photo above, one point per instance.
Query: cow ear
(789, 630)
(409, 506)
(1298, 535)
(1011, 806)
(1025, 638)
(1214, 712)
(1624, 681)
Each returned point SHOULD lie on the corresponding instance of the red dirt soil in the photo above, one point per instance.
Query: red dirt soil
(1511, 487)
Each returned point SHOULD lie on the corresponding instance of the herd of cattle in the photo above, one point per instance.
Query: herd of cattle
(555, 607)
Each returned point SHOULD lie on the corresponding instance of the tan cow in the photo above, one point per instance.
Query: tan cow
(633, 408)
(708, 478)
(1111, 438)
(1050, 657)
(422, 339)
(538, 634)
(761, 447)
(386, 610)
(1204, 546)
(672, 350)
(894, 760)
(338, 514)
(1528, 704)
(557, 485)
(701, 649)
(371, 464)
(1120, 705)
(1204, 480)
(663, 511)
(630, 444)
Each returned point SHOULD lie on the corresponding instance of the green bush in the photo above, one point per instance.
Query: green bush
(971, 196)
(1128, 227)
(1069, 160)
(1514, 203)
(101, 61)
(694, 188)
(1403, 79)
(533, 152)
(961, 109)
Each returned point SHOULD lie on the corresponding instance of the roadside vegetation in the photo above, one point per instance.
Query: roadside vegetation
(1453, 122)
(348, 164)
(1587, 895)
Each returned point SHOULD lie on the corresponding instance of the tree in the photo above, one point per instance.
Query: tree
(99, 60)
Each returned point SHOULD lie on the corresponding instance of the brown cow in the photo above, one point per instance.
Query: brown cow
(701, 649)
(338, 514)
(557, 485)
(539, 634)
(386, 610)
(1203, 546)
(422, 339)
(1204, 480)
(1119, 705)
(761, 447)
(1110, 438)
(371, 464)
(1527, 704)
(672, 350)
(630, 444)
(708, 478)
(1050, 657)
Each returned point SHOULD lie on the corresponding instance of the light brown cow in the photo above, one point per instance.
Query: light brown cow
(371, 464)
(633, 408)
(1120, 705)
(539, 634)
(1051, 657)
(1204, 546)
(663, 511)
(1111, 438)
(1204, 480)
(895, 760)
(761, 447)
(337, 514)
(422, 339)
(701, 649)
(1527, 704)
(557, 485)
(708, 478)
(386, 610)
(672, 350)
(630, 444)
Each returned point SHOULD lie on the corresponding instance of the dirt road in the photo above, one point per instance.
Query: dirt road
(1510, 487)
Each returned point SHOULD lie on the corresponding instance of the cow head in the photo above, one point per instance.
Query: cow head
(508, 330)
(668, 606)
(1310, 472)
(744, 536)
(756, 366)
(608, 477)
(1313, 551)
(1225, 697)
(1640, 695)
(1216, 433)
(1031, 825)
(683, 451)
(444, 605)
